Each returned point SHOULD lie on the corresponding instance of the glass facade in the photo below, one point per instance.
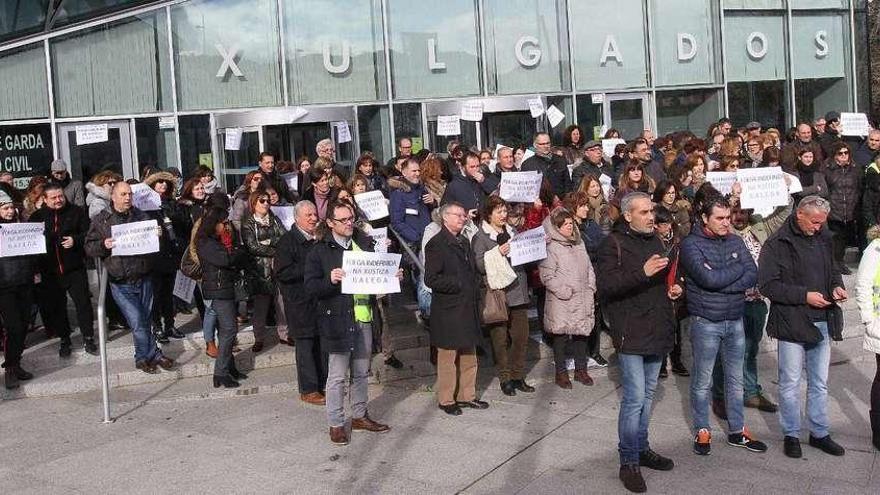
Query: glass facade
(24, 91)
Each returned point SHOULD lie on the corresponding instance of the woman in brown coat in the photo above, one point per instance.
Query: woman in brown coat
(570, 281)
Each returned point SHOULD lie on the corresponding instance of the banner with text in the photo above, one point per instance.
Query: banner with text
(19, 239)
(723, 181)
(520, 187)
(373, 204)
(130, 239)
(762, 188)
(370, 273)
(528, 246)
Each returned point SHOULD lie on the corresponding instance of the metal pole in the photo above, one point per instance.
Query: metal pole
(102, 338)
(406, 250)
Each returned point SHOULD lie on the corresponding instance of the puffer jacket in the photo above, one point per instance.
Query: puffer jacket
(219, 268)
(17, 270)
(718, 270)
(568, 275)
(121, 269)
(409, 214)
(261, 242)
(844, 190)
(867, 285)
(484, 241)
(97, 200)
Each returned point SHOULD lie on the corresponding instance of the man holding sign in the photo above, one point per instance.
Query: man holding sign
(130, 282)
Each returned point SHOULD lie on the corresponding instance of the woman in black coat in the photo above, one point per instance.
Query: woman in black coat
(190, 207)
(219, 256)
(165, 262)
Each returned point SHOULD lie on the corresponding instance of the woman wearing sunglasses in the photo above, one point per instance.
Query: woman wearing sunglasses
(844, 181)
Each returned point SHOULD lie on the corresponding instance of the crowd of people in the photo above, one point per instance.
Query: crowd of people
(639, 246)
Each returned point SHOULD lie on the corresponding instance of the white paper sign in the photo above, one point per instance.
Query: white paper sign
(370, 273)
(233, 139)
(472, 110)
(144, 198)
(597, 98)
(93, 133)
(608, 146)
(528, 246)
(722, 181)
(381, 238)
(520, 187)
(166, 122)
(134, 238)
(373, 204)
(762, 188)
(607, 189)
(536, 107)
(527, 154)
(854, 124)
(448, 125)
(19, 239)
(184, 287)
(284, 214)
(343, 133)
(292, 181)
(794, 184)
(555, 116)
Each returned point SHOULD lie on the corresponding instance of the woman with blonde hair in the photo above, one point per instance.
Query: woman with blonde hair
(99, 188)
(432, 178)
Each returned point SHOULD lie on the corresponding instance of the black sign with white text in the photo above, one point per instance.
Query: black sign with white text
(25, 151)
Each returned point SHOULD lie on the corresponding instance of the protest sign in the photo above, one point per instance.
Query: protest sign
(134, 238)
(607, 188)
(381, 238)
(722, 181)
(520, 187)
(448, 125)
(536, 107)
(343, 133)
(292, 181)
(762, 188)
(370, 273)
(144, 198)
(854, 124)
(472, 111)
(554, 115)
(184, 287)
(285, 215)
(233, 139)
(528, 246)
(527, 154)
(597, 98)
(91, 133)
(794, 183)
(373, 204)
(19, 239)
(608, 146)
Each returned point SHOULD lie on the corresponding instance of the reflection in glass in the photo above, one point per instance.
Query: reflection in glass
(21, 17)
(77, 10)
(195, 143)
(627, 116)
(625, 24)
(693, 110)
(88, 159)
(510, 129)
(689, 61)
(374, 128)
(237, 163)
(759, 101)
(407, 121)
(155, 147)
(590, 116)
(23, 90)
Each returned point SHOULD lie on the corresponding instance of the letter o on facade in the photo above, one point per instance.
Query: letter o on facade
(533, 55)
(756, 53)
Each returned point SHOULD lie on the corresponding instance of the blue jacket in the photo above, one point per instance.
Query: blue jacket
(409, 214)
(717, 271)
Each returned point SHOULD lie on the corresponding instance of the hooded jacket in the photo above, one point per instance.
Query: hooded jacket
(568, 276)
(97, 200)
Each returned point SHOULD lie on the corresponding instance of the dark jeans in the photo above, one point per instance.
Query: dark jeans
(135, 301)
(594, 340)
(311, 365)
(578, 346)
(875, 388)
(261, 313)
(845, 234)
(53, 296)
(15, 308)
(753, 326)
(226, 330)
(163, 299)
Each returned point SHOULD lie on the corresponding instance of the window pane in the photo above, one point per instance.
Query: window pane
(23, 91)
(819, 4)
(25, 151)
(754, 4)
(526, 46)
(121, 68)
(345, 35)
(627, 116)
(77, 10)
(155, 147)
(590, 116)
(759, 101)
(246, 31)
(820, 45)
(195, 143)
(21, 17)
(408, 123)
(754, 46)
(687, 110)
(451, 31)
(684, 43)
(609, 49)
(374, 126)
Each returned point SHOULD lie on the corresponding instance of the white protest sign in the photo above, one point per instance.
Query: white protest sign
(528, 246)
(607, 189)
(19, 239)
(608, 146)
(794, 184)
(536, 107)
(292, 181)
(527, 154)
(343, 133)
(597, 98)
(722, 181)
(284, 214)
(520, 187)
(448, 125)
(92, 133)
(370, 273)
(472, 110)
(373, 204)
(144, 198)
(184, 287)
(167, 122)
(762, 188)
(381, 238)
(854, 124)
(555, 115)
(134, 238)
(233, 139)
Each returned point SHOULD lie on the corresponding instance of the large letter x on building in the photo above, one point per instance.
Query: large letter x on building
(228, 61)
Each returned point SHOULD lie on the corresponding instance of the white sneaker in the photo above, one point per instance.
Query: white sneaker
(592, 363)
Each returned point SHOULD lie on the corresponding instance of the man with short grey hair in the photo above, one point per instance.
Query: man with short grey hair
(796, 272)
(548, 163)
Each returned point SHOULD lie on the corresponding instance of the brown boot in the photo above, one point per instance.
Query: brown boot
(367, 424)
(563, 380)
(211, 349)
(313, 398)
(338, 436)
(583, 377)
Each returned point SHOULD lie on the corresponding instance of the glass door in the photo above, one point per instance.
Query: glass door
(235, 164)
(628, 113)
(508, 129)
(100, 152)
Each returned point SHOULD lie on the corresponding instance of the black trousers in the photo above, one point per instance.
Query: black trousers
(53, 303)
(577, 347)
(163, 299)
(311, 365)
(227, 329)
(845, 234)
(875, 387)
(15, 309)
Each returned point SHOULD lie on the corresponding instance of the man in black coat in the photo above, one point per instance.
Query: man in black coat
(451, 274)
(266, 165)
(594, 164)
(470, 190)
(551, 165)
(300, 305)
(63, 268)
(632, 270)
(796, 272)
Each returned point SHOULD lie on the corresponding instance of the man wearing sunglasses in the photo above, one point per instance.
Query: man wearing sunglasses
(844, 181)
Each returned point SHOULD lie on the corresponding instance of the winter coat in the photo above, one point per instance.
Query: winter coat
(639, 312)
(790, 153)
(220, 268)
(592, 234)
(261, 242)
(717, 270)
(240, 207)
(289, 267)
(588, 169)
(866, 287)
(484, 241)
(844, 189)
(167, 259)
(186, 214)
(97, 200)
(278, 184)
(409, 214)
(451, 274)
(681, 217)
(69, 221)
(818, 188)
(335, 310)
(465, 191)
(17, 270)
(864, 156)
(568, 275)
(782, 267)
(121, 269)
(870, 209)
(554, 168)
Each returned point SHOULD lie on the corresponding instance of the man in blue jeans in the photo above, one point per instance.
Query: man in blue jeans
(718, 269)
(129, 277)
(632, 269)
(797, 274)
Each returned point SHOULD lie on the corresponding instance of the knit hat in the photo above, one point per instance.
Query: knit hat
(58, 166)
(4, 197)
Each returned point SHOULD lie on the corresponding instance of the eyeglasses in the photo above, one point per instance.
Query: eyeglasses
(842, 153)
(262, 201)
(112, 183)
(344, 220)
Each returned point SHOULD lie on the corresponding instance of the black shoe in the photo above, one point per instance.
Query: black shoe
(173, 332)
(225, 381)
(827, 445)
(664, 373)
(146, 367)
(679, 369)
(451, 409)
(875, 429)
(90, 347)
(631, 476)
(791, 446)
(238, 375)
(21, 374)
(10, 381)
(744, 439)
(508, 388)
(473, 404)
(394, 362)
(161, 337)
(65, 349)
(522, 386)
(652, 460)
(602, 362)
